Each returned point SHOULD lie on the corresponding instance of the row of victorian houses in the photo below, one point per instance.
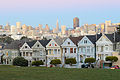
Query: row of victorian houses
(97, 46)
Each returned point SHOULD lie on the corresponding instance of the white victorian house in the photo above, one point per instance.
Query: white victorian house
(34, 50)
(86, 47)
(70, 48)
(105, 46)
(54, 49)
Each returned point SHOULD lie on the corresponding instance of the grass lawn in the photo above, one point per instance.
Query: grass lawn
(42, 73)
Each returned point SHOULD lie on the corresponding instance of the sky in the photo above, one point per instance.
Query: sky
(34, 12)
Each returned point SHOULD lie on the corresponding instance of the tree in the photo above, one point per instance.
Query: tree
(37, 63)
(70, 61)
(118, 29)
(55, 62)
(90, 60)
(24, 37)
(20, 61)
(111, 58)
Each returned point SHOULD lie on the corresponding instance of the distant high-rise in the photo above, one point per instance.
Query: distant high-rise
(7, 27)
(18, 25)
(47, 28)
(13, 29)
(75, 22)
(63, 29)
(57, 26)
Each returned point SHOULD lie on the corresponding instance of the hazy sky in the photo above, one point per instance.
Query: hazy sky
(34, 12)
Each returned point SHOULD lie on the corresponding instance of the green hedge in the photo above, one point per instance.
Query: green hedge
(37, 63)
(70, 61)
(55, 61)
(20, 61)
(90, 60)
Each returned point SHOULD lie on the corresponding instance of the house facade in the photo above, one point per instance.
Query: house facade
(35, 50)
(104, 46)
(54, 50)
(70, 49)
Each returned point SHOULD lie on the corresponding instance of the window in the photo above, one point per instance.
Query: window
(49, 51)
(69, 43)
(52, 44)
(38, 45)
(23, 53)
(26, 53)
(55, 51)
(85, 41)
(101, 48)
(74, 50)
(25, 46)
(106, 47)
(30, 54)
(55, 44)
(65, 50)
(71, 50)
(58, 51)
(88, 49)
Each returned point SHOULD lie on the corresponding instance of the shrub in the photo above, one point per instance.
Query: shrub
(55, 61)
(111, 58)
(37, 63)
(70, 61)
(20, 61)
(90, 60)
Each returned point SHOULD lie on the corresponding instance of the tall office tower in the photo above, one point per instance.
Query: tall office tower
(63, 29)
(18, 25)
(47, 28)
(24, 29)
(13, 29)
(75, 22)
(7, 27)
(86, 28)
(1, 26)
(57, 26)
(107, 24)
(40, 27)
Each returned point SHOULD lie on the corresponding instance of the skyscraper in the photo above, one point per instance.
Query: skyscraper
(63, 29)
(18, 25)
(47, 28)
(57, 26)
(75, 22)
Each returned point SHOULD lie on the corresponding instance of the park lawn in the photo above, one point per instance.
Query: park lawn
(43, 73)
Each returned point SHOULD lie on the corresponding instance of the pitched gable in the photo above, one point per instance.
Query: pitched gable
(68, 42)
(52, 43)
(25, 47)
(85, 40)
(37, 45)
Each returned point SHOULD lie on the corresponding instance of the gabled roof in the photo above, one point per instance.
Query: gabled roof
(59, 40)
(31, 43)
(44, 42)
(75, 40)
(111, 37)
(94, 38)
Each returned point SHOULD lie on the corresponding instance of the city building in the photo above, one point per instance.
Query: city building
(75, 22)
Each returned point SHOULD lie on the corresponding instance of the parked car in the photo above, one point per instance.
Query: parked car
(87, 66)
(115, 67)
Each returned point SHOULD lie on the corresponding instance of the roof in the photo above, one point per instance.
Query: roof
(94, 38)
(31, 43)
(59, 40)
(75, 40)
(44, 42)
(14, 45)
(111, 37)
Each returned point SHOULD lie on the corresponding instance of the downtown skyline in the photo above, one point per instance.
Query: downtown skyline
(34, 12)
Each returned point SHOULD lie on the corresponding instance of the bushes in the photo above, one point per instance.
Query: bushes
(111, 58)
(70, 61)
(20, 61)
(55, 61)
(37, 63)
(90, 60)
